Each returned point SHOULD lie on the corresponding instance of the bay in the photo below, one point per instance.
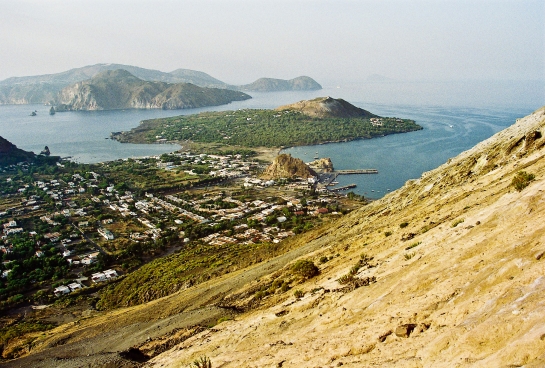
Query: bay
(455, 117)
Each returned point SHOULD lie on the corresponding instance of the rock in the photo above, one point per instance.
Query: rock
(322, 165)
(539, 255)
(405, 330)
(285, 166)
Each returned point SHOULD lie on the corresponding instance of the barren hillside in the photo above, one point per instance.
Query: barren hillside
(467, 292)
(450, 272)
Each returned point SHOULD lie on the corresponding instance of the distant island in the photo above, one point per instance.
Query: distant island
(316, 121)
(44, 89)
(119, 89)
(271, 85)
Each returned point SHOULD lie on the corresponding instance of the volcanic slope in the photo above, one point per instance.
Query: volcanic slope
(462, 277)
(453, 274)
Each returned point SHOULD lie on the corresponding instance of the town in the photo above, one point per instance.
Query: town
(69, 227)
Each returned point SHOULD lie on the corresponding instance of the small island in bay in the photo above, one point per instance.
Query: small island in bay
(317, 121)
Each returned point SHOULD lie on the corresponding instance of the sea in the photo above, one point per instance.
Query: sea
(455, 116)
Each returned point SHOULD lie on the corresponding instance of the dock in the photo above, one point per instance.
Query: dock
(349, 186)
(358, 171)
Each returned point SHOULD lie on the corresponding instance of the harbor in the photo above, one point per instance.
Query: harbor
(328, 180)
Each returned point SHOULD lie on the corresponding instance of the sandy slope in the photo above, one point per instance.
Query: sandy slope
(474, 291)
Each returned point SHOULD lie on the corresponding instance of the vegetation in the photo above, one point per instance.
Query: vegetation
(263, 128)
(413, 245)
(305, 268)
(202, 362)
(457, 222)
(521, 180)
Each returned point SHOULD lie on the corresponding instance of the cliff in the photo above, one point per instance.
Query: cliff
(285, 166)
(322, 107)
(118, 89)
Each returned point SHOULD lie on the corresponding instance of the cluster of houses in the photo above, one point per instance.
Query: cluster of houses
(67, 194)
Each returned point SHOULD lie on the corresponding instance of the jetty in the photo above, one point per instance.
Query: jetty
(349, 186)
(358, 171)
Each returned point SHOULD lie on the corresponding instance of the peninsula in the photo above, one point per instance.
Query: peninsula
(316, 121)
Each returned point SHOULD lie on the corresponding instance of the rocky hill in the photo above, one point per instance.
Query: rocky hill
(10, 154)
(285, 166)
(446, 271)
(328, 107)
(273, 85)
(44, 88)
(118, 89)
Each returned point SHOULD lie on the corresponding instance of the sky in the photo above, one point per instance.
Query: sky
(238, 41)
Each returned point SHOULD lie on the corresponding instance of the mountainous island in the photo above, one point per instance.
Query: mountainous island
(316, 121)
(44, 89)
(118, 89)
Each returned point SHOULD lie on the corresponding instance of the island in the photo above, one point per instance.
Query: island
(119, 89)
(317, 121)
(44, 89)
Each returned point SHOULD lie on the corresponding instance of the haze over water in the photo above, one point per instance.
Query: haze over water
(455, 117)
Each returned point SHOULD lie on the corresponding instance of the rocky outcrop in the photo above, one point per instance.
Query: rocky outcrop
(285, 166)
(273, 85)
(322, 107)
(321, 165)
(119, 89)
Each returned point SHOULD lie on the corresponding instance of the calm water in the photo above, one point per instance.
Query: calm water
(455, 117)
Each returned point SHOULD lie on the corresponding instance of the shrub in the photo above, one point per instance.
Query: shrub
(403, 225)
(298, 293)
(387, 233)
(409, 256)
(305, 268)
(413, 245)
(457, 222)
(521, 180)
(203, 362)
(324, 259)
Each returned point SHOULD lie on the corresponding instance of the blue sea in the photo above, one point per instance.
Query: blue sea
(455, 117)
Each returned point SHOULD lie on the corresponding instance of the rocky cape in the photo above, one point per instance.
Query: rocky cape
(118, 89)
(44, 89)
(323, 107)
(10, 154)
(285, 166)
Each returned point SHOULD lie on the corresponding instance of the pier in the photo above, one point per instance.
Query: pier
(343, 188)
(358, 171)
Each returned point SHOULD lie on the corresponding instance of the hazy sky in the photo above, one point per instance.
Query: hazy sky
(238, 41)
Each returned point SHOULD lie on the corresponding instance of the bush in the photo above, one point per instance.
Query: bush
(203, 362)
(387, 233)
(403, 225)
(306, 269)
(298, 293)
(521, 180)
